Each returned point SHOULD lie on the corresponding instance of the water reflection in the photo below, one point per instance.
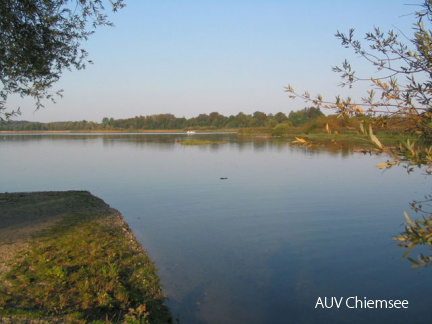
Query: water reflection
(289, 225)
(168, 141)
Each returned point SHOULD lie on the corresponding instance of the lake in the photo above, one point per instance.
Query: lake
(286, 227)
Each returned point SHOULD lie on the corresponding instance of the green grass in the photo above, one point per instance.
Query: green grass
(86, 269)
(201, 142)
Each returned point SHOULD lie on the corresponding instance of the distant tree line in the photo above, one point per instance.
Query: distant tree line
(213, 120)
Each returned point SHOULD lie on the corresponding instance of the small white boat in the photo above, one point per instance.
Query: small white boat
(190, 132)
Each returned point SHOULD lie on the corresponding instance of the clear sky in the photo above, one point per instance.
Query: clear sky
(230, 56)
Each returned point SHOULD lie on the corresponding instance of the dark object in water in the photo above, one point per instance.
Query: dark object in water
(223, 178)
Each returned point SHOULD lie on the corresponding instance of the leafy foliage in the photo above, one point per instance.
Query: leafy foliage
(402, 87)
(417, 233)
(303, 116)
(170, 122)
(392, 58)
(40, 39)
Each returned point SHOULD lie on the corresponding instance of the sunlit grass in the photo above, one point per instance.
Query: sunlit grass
(86, 269)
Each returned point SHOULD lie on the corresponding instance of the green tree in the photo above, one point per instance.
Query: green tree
(281, 117)
(39, 40)
(402, 87)
(217, 120)
(259, 119)
(301, 117)
(105, 122)
(242, 120)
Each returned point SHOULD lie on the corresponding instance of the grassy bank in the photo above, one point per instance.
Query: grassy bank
(79, 264)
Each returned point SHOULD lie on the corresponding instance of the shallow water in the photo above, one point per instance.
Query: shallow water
(286, 227)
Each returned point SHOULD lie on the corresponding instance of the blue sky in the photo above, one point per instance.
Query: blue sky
(192, 57)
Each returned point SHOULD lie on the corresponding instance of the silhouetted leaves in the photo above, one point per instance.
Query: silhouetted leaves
(39, 40)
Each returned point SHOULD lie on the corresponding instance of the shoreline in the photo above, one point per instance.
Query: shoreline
(157, 131)
(53, 244)
(92, 131)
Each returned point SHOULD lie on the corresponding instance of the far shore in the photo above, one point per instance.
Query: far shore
(161, 131)
(98, 131)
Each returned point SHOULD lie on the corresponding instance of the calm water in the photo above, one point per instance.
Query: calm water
(288, 225)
